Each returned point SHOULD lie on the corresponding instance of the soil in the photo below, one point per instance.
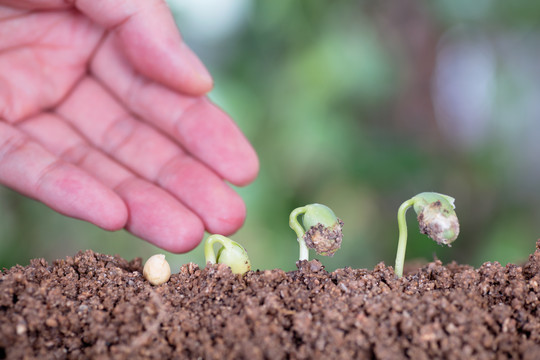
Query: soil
(99, 306)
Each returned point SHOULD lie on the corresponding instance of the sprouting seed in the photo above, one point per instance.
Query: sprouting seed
(231, 253)
(436, 218)
(324, 230)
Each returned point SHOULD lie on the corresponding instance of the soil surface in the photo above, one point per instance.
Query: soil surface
(99, 306)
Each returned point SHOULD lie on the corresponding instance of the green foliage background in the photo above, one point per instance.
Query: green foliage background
(337, 99)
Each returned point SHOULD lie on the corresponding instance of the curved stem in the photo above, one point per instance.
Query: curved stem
(299, 230)
(402, 241)
(209, 254)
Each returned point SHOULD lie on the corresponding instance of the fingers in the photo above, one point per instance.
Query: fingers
(203, 129)
(154, 214)
(147, 35)
(28, 168)
(152, 155)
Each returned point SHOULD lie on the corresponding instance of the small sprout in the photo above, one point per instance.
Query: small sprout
(231, 253)
(436, 218)
(157, 270)
(324, 230)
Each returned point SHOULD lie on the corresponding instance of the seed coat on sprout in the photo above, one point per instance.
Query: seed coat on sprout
(324, 230)
(436, 219)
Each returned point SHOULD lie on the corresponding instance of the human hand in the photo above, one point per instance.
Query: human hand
(103, 118)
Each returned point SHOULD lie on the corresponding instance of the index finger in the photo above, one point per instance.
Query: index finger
(205, 131)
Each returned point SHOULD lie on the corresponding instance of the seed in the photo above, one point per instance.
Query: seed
(157, 270)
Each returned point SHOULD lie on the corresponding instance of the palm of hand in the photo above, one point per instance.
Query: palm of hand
(93, 124)
(43, 56)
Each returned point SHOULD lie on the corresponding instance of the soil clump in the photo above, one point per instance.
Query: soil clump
(99, 306)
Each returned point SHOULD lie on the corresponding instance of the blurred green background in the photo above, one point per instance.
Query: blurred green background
(358, 105)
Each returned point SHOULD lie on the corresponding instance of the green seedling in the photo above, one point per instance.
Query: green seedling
(231, 253)
(324, 230)
(436, 218)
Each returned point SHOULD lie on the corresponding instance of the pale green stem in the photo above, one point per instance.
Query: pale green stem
(402, 242)
(299, 230)
(209, 254)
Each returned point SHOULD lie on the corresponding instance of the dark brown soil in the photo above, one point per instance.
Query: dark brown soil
(99, 306)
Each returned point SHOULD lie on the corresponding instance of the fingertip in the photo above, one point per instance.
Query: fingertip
(155, 216)
(200, 82)
(186, 233)
(228, 216)
(247, 169)
(186, 241)
(153, 45)
(115, 216)
(221, 209)
(212, 136)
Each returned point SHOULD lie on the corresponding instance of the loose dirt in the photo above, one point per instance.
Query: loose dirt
(99, 306)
